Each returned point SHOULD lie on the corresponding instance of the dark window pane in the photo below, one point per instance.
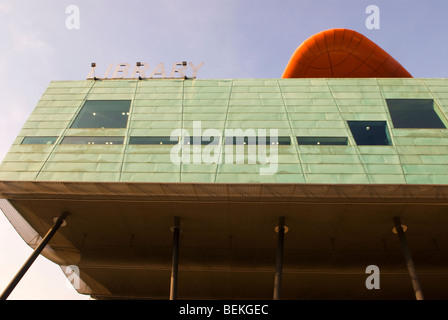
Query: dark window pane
(39, 140)
(103, 114)
(370, 133)
(414, 113)
(283, 141)
(323, 141)
(202, 140)
(153, 140)
(240, 140)
(258, 140)
(93, 140)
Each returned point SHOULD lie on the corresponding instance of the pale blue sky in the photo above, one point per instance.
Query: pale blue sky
(235, 39)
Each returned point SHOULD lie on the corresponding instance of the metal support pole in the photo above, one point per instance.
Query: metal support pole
(175, 260)
(33, 256)
(408, 258)
(279, 258)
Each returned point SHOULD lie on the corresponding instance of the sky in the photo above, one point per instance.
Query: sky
(244, 39)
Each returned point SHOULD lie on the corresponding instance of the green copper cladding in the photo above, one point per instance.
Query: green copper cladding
(295, 107)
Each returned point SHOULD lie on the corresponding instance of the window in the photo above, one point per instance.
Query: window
(93, 140)
(103, 114)
(370, 133)
(414, 113)
(323, 141)
(258, 140)
(39, 140)
(202, 140)
(153, 140)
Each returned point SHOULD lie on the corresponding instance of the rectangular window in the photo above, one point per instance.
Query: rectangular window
(93, 140)
(103, 114)
(414, 113)
(323, 141)
(258, 140)
(39, 140)
(152, 140)
(202, 140)
(370, 133)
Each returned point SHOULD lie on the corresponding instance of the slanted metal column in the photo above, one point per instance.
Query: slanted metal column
(59, 221)
(279, 259)
(175, 261)
(408, 258)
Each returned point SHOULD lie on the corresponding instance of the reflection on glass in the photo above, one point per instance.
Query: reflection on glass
(152, 140)
(202, 140)
(93, 140)
(103, 114)
(39, 140)
(258, 140)
(414, 113)
(370, 133)
(323, 141)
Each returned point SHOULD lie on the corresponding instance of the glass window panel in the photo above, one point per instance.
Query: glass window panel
(103, 114)
(370, 133)
(202, 140)
(153, 140)
(414, 113)
(275, 140)
(258, 140)
(93, 140)
(39, 140)
(240, 140)
(329, 141)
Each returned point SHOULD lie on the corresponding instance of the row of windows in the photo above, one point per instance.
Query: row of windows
(161, 140)
(364, 133)
(405, 113)
(197, 140)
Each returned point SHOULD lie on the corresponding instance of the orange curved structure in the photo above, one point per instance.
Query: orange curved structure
(342, 53)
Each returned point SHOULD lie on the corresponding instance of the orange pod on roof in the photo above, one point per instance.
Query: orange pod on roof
(342, 53)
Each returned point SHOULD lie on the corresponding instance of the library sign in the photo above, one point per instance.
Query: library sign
(142, 70)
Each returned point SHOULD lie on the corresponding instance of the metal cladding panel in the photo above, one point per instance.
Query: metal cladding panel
(292, 107)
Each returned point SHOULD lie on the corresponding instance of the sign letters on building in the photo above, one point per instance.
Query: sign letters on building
(142, 71)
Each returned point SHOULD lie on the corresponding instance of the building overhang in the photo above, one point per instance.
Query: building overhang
(228, 236)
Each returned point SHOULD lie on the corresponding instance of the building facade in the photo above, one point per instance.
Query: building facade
(226, 162)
